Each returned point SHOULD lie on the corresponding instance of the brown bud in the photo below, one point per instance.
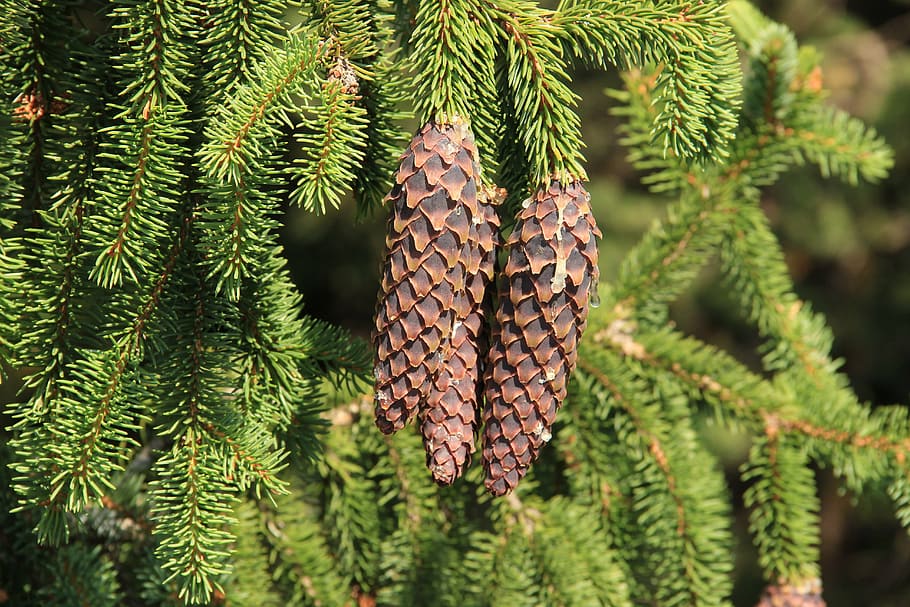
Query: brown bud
(343, 73)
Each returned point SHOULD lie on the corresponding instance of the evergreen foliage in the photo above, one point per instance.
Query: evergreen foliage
(186, 434)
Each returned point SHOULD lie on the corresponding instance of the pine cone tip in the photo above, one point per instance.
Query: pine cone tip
(784, 594)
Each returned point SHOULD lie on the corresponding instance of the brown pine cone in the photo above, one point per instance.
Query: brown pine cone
(425, 269)
(543, 307)
(807, 594)
(451, 415)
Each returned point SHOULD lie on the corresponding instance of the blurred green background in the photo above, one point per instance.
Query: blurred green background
(848, 250)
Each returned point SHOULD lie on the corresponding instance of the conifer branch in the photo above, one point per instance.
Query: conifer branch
(234, 159)
(360, 30)
(697, 86)
(237, 35)
(411, 509)
(251, 581)
(380, 98)
(192, 545)
(785, 510)
(173, 377)
(664, 170)
(333, 143)
(77, 481)
(693, 547)
(652, 443)
(193, 522)
(800, 338)
(300, 557)
(82, 573)
(841, 146)
(669, 256)
(157, 63)
(450, 50)
(64, 247)
(747, 397)
(127, 210)
(39, 60)
(234, 137)
(549, 128)
(349, 505)
(141, 190)
(365, 38)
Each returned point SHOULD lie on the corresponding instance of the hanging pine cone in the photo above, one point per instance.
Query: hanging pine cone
(451, 415)
(440, 243)
(424, 268)
(807, 594)
(543, 305)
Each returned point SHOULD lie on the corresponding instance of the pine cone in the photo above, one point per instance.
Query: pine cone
(543, 306)
(807, 594)
(425, 269)
(451, 415)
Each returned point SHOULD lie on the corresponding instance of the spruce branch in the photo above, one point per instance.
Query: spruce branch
(665, 173)
(193, 521)
(333, 142)
(548, 126)
(153, 57)
(90, 441)
(282, 370)
(237, 34)
(235, 156)
(753, 262)
(200, 395)
(300, 558)
(195, 481)
(359, 28)
(46, 152)
(381, 97)
(768, 92)
(52, 260)
(365, 40)
(67, 458)
(841, 146)
(350, 507)
(137, 199)
(64, 246)
(670, 255)
(684, 535)
(450, 51)
(252, 577)
(546, 552)
(80, 572)
(785, 511)
(741, 396)
(173, 381)
(38, 43)
(139, 189)
(424, 543)
(334, 353)
(590, 467)
(697, 82)
(786, 540)
(899, 492)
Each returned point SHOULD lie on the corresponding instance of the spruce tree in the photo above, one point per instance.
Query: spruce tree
(186, 434)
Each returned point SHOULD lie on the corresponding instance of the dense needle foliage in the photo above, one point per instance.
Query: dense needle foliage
(186, 434)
